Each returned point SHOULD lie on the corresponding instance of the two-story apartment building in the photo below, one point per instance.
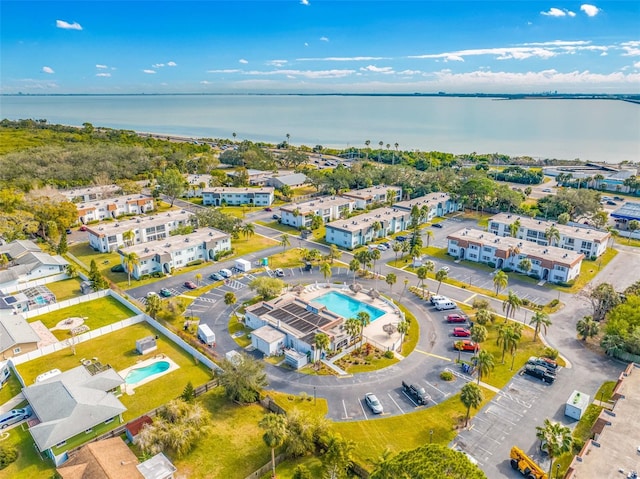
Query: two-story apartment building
(435, 204)
(376, 194)
(330, 208)
(579, 238)
(547, 262)
(262, 196)
(115, 207)
(361, 229)
(176, 251)
(91, 193)
(108, 237)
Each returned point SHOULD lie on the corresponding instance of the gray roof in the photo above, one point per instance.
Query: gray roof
(17, 248)
(14, 330)
(291, 180)
(158, 467)
(71, 403)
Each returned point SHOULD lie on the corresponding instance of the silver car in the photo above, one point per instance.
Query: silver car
(373, 403)
(14, 416)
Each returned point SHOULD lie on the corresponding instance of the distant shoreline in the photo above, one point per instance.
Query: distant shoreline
(629, 97)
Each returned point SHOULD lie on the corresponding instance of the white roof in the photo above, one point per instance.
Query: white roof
(175, 243)
(133, 224)
(268, 334)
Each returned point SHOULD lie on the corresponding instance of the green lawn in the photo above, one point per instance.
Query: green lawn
(243, 246)
(286, 259)
(234, 448)
(99, 312)
(238, 211)
(304, 403)
(236, 326)
(412, 337)
(406, 431)
(29, 464)
(605, 391)
(588, 271)
(10, 388)
(66, 289)
(286, 469)
(280, 227)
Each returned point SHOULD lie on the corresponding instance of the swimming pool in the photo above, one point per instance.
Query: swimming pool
(347, 307)
(138, 374)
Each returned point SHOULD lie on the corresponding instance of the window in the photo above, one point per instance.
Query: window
(586, 245)
(473, 246)
(88, 431)
(16, 350)
(108, 421)
(60, 444)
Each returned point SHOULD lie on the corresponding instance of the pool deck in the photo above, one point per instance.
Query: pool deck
(374, 332)
(130, 388)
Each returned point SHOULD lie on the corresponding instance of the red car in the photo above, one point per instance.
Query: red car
(83, 228)
(461, 332)
(466, 345)
(456, 318)
(267, 209)
(190, 285)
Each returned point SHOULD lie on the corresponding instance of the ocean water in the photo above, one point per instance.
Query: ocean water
(591, 130)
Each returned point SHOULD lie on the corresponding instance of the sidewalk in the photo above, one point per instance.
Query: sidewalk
(12, 403)
(330, 365)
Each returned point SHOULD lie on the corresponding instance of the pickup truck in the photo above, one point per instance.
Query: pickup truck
(416, 393)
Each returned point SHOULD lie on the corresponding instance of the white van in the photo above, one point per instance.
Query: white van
(443, 305)
(205, 335)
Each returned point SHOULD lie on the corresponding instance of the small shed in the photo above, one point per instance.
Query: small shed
(233, 356)
(295, 359)
(134, 427)
(146, 345)
(576, 405)
(268, 340)
(85, 287)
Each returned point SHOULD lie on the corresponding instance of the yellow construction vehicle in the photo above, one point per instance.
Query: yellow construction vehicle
(525, 465)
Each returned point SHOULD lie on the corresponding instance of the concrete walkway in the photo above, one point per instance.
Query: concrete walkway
(12, 403)
(337, 369)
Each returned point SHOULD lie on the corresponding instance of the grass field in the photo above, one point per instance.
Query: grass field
(29, 465)
(10, 388)
(236, 326)
(66, 289)
(99, 312)
(243, 246)
(286, 259)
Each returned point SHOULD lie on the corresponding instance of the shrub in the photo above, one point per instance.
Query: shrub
(507, 270)
(491, 264)
(553, 303)
(195, 262)
(301, 472)
(446, 376)
(389, 355)
(144, 276)
(577, 445)
(525, 302)
(8, 454)
(550, 353)
(534, 275)
(480, 303)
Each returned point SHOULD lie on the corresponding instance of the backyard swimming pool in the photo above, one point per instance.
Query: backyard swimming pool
(138, 374)
(347, 307)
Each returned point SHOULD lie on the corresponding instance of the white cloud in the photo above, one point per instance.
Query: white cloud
(315, 74)
(324, 39)
(157, 65)
(102, 67)
(224, 71)
(243, 61)
(375, 69)
(305, 2)
(410, 72)
(277, 63)
(68, 26)
(504, 53)
(306, 44)
(557, 43)
(206, 82)
(590, 10)
(570, 13)
(342, 59)
(631, 49)
(172, 64)
(48, 70)
(636, 65)
(150, 72)
(106, 75)
(555, 12)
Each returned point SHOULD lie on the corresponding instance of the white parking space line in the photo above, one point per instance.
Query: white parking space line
(363, 411)
(440, 391)
(346, 414)
(397, 405)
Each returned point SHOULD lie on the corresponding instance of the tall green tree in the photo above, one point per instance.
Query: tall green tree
(172, 184)
(338, 456)
(334, 253)
(556, 438)
(441, 275)
(422, 273)
(62, 245)
(322, 343)
(485, 363)
(152, 308)
(242, 379)
(354, 266)
(471, 397)
(508, 337)
(587, 327)
(325, 269)
(352, 327)
(510, 305)
(500, 281)
(267, 287)
(248, 230)
(130, 261)
(275, 433)
(539, 320)
(230, 298)
(365, 319)
(284, 241)
(391, 279)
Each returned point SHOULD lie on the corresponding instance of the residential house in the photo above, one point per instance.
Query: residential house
(106, 459)
(108, 237)
(73, 403)
(361, 229)
(504, 252)
(261, 196)
(91, 193)
(292, 180)
(376, 194)
(26, 262)
(574, 237)
(16, 335)
(299, 321)
(434, 204)
(115, 207)
(176, 251)
(330, 208)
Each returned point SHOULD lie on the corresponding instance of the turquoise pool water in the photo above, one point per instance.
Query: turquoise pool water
(347, 307)
(138, 374)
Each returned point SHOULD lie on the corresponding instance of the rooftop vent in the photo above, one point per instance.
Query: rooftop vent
(186, 240)
(146, 250)
(117, 224)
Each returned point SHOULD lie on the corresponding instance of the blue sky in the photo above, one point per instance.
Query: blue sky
(319, 46)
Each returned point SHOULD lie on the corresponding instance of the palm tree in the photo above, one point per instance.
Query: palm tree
(376, 227)
(71, 270)
(248, 230)
(552, 233)
(471, 397)
(334, 253)
(598, 178)
(441, 275)
(154, 303)
(325, 269)
(612, 344)
(322, 343)
(510, 305)
(230, 298)
(484, 316)
(514, 227)
(428, 234)
(479, 333)
(485, 363)
(198, 278)
(275, 433)
(394, 156)
(403, 328)
(508, 338)
(352, 327)
(288, 140)
(587, 327)
(525, 265)
(396, 247)
(375, 255)
(500, 281)
(391, 279)
(284, 241)
(539, 320)
(130, 261)
(380, 143)
(128, 237)
(557, 437)
(367, 143)
(338, 456)
(365, 319)
(354, 265)
(422, 273)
